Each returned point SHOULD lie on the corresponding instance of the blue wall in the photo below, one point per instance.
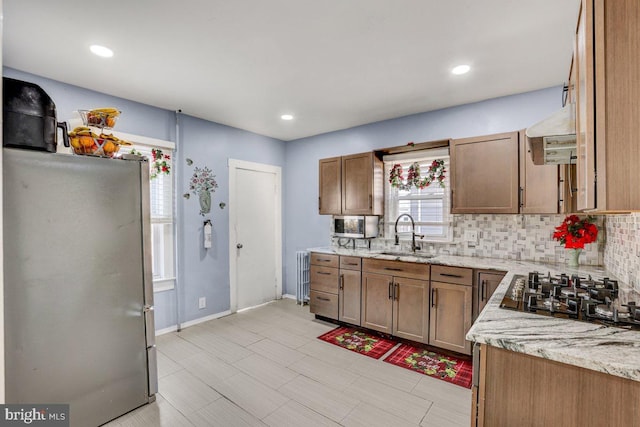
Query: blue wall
(206, 273)
(305, 228)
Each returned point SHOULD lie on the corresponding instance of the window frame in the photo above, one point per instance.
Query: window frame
(392, 208)
(146, 143)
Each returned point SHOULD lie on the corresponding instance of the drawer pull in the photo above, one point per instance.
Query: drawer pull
(351, 263)
(324, 299)
(324, 273)
(393, 269)
(457, 276)
(324, 260)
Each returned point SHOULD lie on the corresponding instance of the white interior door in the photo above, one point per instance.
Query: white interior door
(255, 235)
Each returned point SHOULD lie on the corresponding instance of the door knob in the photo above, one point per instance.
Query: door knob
(239, 246)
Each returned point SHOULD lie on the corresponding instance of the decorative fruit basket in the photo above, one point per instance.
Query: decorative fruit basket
(104, 118)
(85, 142)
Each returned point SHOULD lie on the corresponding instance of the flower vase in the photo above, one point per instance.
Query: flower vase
(205, 202)
(573, 257)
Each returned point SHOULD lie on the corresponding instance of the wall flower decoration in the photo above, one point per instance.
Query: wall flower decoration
(202, 184)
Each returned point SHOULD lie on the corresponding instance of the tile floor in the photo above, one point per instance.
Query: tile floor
(266, 367)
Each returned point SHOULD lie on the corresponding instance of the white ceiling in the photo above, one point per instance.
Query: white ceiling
(334, 64)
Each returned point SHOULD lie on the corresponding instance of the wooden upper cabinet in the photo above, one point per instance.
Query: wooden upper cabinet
(362, 185)
(351, 185)
(484, 176)
(330, 199)
(585, 103)
(538, 184)
(607, 73)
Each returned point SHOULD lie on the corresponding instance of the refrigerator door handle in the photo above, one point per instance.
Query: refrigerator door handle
(152, 363)
(149, 324)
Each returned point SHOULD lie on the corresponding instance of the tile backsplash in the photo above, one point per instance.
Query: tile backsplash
(517, 237)
(622, 251)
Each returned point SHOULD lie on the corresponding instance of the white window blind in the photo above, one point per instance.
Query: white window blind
(162, 219)
(429, 207)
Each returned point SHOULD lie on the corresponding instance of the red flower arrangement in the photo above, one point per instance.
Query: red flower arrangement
(574, 232)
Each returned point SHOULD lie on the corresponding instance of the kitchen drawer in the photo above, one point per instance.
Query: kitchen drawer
(350, 262)
(326, 260)
(457, 275)
(324, 279)
(412, 270)
(324, 304)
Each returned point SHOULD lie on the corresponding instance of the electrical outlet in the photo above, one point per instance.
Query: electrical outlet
(471, 236)
(202, 302)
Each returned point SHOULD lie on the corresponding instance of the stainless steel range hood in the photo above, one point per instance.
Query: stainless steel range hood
(553, 140)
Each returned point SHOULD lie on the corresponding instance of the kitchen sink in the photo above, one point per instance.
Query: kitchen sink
(415, 254)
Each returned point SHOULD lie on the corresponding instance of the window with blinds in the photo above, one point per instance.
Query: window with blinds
(429, 206)
(162, 221)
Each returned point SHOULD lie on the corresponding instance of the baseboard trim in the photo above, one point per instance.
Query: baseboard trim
(289, 296)
(193, 322)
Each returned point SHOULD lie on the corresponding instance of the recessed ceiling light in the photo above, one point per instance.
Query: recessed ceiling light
(461, 69)
(105, 52)
(286, 117)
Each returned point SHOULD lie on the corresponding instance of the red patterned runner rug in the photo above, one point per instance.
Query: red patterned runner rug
(358, 341)
(436, 365)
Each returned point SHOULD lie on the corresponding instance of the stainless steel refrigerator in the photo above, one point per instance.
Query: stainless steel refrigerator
(78, 295)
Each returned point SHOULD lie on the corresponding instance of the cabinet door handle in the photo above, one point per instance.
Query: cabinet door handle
(521, 197)
(341, 281)
(483, 290)
(434, 295)
(391, 290)
(323, 299)
(392, 269)
(324, 273)
(370, 201)
(319, 203)
(396, 292)
(451, 275)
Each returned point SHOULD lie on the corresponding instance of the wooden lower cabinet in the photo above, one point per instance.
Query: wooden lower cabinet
(411, 309)
(324, 280)
(349, 297)
(516, 389)
(486, 284)
(396, 306)
(377, 304)
(323, 304)
(450, 316)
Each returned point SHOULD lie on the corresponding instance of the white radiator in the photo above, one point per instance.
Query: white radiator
(302, 281)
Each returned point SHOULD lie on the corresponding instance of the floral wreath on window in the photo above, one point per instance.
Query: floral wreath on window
(435, 173)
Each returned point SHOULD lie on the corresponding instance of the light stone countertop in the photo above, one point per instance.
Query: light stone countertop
(610, 350)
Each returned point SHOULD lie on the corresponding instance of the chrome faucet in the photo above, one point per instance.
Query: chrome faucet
(414, 247)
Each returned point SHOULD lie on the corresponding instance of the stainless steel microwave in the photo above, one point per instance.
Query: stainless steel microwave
(357, 227)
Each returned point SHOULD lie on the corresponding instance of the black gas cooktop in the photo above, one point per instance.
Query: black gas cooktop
(571, 297)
